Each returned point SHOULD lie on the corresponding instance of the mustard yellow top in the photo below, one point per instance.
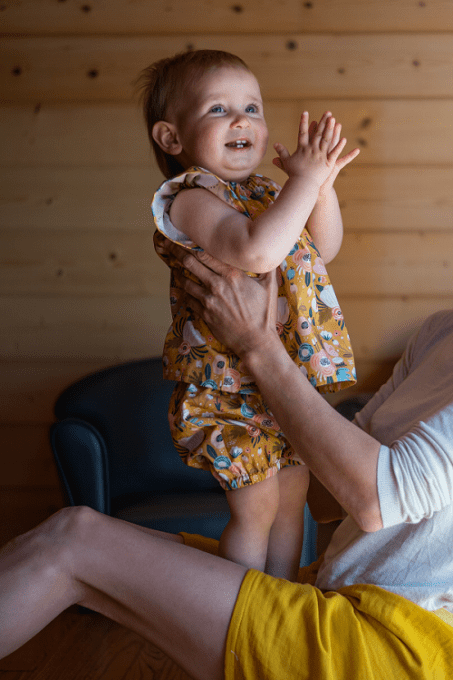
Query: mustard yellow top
(309, 319)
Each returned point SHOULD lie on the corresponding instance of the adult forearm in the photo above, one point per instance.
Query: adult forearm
(340, 455)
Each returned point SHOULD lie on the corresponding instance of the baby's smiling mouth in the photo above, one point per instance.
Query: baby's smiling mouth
(239, 144)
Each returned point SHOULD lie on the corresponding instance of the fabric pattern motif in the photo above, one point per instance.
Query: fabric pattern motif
(310, 322)
(234, 436)
(218, 420)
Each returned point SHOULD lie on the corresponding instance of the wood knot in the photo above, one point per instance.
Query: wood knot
(17, 71)
(86, 8)
(238, 9)
(291, 45)
(93, 73)
(365, 123)
(341, 70)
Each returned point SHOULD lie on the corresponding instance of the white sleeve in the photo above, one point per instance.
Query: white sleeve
(415, 473)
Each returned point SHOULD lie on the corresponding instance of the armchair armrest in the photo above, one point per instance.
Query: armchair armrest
(81, 458)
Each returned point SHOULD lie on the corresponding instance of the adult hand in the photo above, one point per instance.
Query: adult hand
(240, 310)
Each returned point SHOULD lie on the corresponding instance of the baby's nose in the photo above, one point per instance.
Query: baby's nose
(240, 120)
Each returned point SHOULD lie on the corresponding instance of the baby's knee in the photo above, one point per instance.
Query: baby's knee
(255, 505)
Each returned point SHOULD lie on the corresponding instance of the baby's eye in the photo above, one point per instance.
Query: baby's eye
(251, 108)
(217, 109)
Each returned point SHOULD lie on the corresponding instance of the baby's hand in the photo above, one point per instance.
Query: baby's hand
(340, 163)
(318, 150)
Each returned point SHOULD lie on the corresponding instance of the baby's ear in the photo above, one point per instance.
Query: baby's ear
(166, 136)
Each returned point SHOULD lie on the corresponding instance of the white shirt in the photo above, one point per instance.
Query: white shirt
(412, 416)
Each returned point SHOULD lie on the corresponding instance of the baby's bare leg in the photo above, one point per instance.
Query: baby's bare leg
(179, 598)
(253, 510)
(287, 533)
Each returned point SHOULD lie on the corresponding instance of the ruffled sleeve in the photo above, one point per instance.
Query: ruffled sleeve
(193, 178)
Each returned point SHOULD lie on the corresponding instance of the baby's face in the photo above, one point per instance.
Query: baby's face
(221, 124)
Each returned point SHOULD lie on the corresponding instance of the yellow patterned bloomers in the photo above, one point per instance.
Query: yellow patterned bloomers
(217, 417)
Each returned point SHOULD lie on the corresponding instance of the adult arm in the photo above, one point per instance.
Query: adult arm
(241, 312)
(415, 470)
(415, 473)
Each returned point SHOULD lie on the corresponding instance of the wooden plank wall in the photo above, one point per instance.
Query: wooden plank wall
(81, 287)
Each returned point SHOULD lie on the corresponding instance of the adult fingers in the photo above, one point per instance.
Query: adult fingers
(203, 300)
(269, 284)
(193, 289)
(204, 266)
(196, 299)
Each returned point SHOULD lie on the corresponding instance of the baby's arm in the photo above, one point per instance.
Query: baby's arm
(325, 224)
(262, 244)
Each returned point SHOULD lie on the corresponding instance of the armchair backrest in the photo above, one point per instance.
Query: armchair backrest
(127, 404)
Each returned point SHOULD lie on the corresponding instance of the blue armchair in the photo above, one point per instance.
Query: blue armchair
(114, 453)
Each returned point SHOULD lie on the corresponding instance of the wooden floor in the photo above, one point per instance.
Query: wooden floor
(83, 645)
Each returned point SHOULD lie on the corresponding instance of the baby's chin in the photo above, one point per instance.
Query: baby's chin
(236, 175)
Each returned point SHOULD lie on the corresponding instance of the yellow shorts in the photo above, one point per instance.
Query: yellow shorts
(293, 631)
(234, 436)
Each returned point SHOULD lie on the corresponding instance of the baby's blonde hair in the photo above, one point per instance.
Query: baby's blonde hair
(163, 82)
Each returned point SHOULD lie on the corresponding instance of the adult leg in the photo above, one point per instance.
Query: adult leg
(179, 598)
(253, 510)
(287, 533)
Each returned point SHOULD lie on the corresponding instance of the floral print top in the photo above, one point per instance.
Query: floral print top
(309, 319)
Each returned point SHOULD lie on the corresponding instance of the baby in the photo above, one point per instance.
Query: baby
(205, 120)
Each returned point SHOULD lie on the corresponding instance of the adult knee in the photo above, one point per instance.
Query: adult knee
(68, 525)
(76, 520)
